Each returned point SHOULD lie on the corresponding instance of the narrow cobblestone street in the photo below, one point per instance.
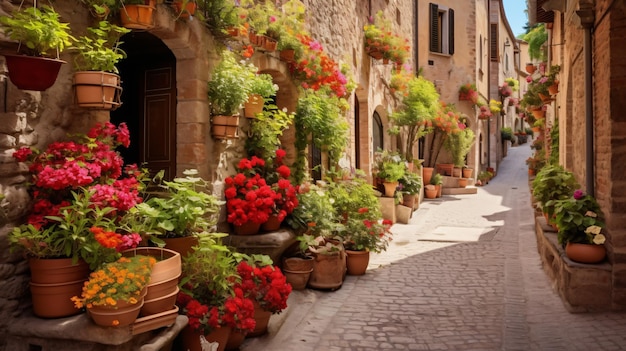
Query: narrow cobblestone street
(463, 275)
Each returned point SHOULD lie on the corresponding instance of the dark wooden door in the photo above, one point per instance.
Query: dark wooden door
(148, 103)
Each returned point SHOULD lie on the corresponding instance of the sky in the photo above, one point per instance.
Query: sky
(515, 14)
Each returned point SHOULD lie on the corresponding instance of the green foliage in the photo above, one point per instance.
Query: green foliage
(484, 176)
(513, 83)
(319, 120)
(436, 179)
(266, 130)
(553, 183)
(579, 219)
(219, 16)
(411, 183)
(536, 37)
(38, 29)
(262, 84)
(229, 86)
(181, 208)
(506, 133)
(315, 212)
(554, 137)
(417, 110)
(99, 50)
(349, 196)
(459, 144)
(389, 166)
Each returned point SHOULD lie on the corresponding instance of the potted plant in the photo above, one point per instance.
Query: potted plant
(390, 168)
(580, 221)
(459, 145)
(410, 185)
(437, 181)
(260, 88)
(227, 91)
(266, 286)
(184, 8)
(290, 47)
(468, 92)
(137, 14)
(114, 294)
(38, 30)
(249, 199)
(101, 9)
(96, 83)
(208, 296)
(552, 183)
(176, 212)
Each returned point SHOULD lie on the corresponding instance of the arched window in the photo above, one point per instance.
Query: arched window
(377, 132)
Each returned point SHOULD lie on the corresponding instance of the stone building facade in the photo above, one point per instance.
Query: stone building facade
(585, 40)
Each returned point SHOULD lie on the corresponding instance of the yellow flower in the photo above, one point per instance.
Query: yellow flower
(599, 239)
(591, 214)
(593, 229)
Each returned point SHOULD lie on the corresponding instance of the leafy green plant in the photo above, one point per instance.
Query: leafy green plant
(411, 183)
(506, 133)
(352, 195)
(38, 30)
(436, 179)
(535, 38)
(266, 130)
(315, 213)
(459, 144)
(262, 84)
(99, 50)
(579, 219)
(228, 87)
(181, 208)
(553, 183)
(389, 166)
(484, 176)
(319, 120)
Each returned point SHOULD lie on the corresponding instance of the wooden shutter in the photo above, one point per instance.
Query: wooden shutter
(451, 31)
(434, 27)
(493, 47)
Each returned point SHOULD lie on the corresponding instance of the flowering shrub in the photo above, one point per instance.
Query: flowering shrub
(379, 37)
(267, 285)
(286, 199)
(122, 280)
(579, 220)
(365, 232)
(468, 92)
(77, 185)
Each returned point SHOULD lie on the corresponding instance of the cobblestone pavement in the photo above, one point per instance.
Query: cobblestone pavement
(464, 274)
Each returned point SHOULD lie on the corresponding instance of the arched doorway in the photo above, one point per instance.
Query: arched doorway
(149, 102)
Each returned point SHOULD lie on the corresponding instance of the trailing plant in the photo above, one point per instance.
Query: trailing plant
(38, 30)
(99, 50)
(266, 130)
(536, 38)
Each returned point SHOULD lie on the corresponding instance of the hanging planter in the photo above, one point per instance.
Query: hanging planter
(554, 88)
(184, 9)
(253, 106)
(270, 44)
(97, 90)
(137, 16)
(530, 68)
(32, 73)
(225, 127)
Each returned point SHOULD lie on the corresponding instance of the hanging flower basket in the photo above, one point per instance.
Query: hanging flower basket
(225, 127)
(32, 73)
(97, 90)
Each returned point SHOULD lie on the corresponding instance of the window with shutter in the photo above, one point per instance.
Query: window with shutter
(434, 28)
(441, 29)
(493, 47)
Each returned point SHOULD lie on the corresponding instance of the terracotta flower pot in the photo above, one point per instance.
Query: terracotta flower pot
(191, 338)
(182, 245)
(57, 270)
(287, 55)
(272, 224)
(235, 339)
(357, 261)
(390, 188)
(159, 304)
(430, 192)
(467, 172)
(428, 173)
(328, 270)
(462, 182)
(97, 90)
(585, 253)
(167, 267)
(297, 278)
(32, 73)
(224, 127)
(138, 16)
(115, 317)
(54, 300)
(262, 318)
(248, 228)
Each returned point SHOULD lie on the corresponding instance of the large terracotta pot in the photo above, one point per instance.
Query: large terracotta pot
(167, 267)
(189, 10)
(54, 300)
(57, 270)
(159, 304)
(119, 316)
(390, 188)
(456, 172)
(97, 90)
(357, 261)
(262, 318)
(182, 245)
(191, 338)
(428, 173)
(585, 253)
(235, 339)
(328, 270)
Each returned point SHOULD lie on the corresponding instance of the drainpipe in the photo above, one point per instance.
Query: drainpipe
(586, 20)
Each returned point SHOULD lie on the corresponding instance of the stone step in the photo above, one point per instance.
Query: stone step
(459, 191)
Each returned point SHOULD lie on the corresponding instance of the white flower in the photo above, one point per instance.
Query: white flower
(593, 229)
(599, 239)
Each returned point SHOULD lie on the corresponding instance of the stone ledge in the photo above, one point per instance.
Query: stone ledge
(80, 333)
(272, 244)
(582, 287)
(459, 191)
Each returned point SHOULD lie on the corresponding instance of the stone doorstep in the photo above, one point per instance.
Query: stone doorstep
(582, 287)
(470, 190)
(81, 334)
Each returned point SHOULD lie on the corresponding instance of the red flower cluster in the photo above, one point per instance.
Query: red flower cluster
(249, 197)
(267, 285)
(90, 161)
(236, 312)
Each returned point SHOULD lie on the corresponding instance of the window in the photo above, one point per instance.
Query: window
(480, 58)
(441, 29)
(377, 132)
(493, 50)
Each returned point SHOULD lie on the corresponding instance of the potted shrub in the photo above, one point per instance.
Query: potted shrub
(96, 83)
(468, 92)
(38, 30)
(227, 91)
(137, 14)
(176, 212)
(459, 145)
(390, 168)
(437, 181)
(580, 222)
(260, 88)
(289, 46)
(552, 183)
(114, 294)
(410, 185)
(208, 297)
